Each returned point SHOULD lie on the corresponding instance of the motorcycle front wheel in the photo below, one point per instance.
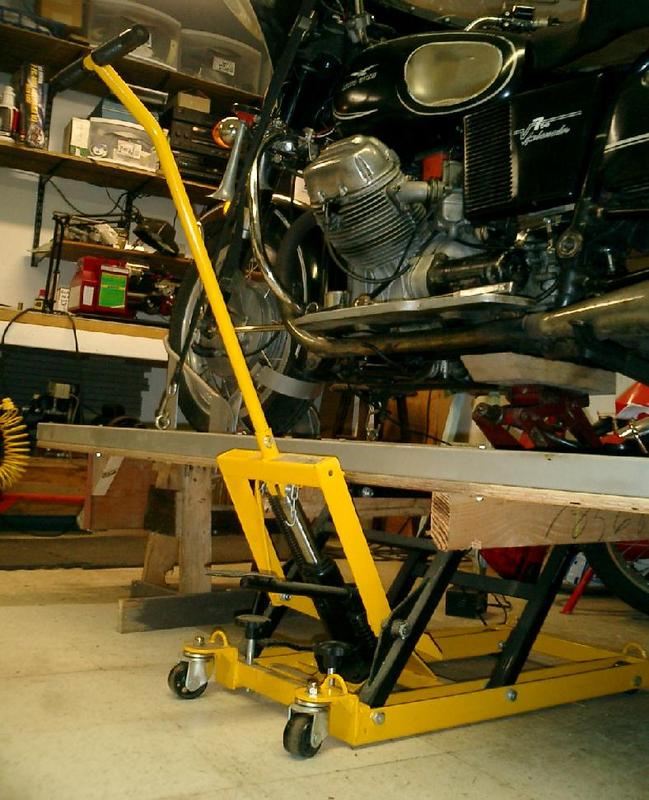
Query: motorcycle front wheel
(275, 361)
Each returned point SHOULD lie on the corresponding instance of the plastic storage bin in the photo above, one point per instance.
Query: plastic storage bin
(220, 59)
(107, 18)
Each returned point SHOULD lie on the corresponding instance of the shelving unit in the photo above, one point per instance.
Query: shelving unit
(117, 338)
(18, 46)
(73, 251)
(97, 173)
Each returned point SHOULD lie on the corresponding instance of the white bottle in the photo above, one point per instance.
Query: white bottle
(7, 112)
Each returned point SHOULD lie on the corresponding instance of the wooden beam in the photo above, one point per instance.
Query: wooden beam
(459, 522)
(160, 557)
(123, 548)
(119, 548)
(194, 529)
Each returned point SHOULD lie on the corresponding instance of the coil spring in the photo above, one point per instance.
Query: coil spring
(14, 444)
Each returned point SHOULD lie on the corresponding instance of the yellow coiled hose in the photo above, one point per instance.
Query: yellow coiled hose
(14, 444)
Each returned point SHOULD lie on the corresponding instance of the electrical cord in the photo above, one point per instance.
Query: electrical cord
(503, 604)
(24, 311)
(71, 205)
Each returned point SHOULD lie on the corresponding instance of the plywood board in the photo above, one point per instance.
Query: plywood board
(460, 522)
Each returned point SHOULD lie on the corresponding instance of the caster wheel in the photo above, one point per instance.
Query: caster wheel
(297, 736)
(176, 682)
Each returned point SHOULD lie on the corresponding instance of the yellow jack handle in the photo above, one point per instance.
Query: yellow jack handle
(268, 466)
(123, 92)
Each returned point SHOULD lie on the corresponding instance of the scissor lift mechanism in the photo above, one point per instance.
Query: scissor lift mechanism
(389, 688)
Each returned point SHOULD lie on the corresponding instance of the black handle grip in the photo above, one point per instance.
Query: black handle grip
(105, 54)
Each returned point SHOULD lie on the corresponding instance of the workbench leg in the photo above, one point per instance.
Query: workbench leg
(194, 529)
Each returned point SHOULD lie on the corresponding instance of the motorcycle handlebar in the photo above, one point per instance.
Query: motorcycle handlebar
(105, 54)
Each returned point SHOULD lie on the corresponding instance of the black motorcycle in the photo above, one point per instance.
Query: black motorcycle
(427, 201)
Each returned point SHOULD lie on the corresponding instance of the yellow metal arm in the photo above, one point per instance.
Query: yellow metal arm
(121, 90)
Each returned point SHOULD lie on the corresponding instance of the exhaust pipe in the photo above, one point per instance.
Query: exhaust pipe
(621, 316)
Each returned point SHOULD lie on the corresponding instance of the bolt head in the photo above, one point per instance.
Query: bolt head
(512, 695)
(199, 639)
(378, 717)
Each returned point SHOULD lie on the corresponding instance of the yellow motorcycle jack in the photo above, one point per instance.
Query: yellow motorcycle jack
(372, 679)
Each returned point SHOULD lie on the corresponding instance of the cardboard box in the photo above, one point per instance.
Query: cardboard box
(67, 12)
(76, 137)
(191, 101)
(122, 143)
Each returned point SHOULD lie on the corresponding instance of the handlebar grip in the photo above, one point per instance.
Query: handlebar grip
(121, 45)
(105, 54)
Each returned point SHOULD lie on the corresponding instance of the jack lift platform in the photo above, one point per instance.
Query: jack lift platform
(379, 675)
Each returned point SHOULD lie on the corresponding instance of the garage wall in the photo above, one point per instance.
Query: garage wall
(19, 282)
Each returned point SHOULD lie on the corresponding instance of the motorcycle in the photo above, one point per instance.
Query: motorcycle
(428, 186)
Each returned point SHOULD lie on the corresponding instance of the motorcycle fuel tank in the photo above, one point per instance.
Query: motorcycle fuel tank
(626, 157)
(424, 82)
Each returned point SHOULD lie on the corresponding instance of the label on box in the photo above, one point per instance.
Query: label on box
(62, 299)
(88, 294)
(224, 65)
(128, 149)
(112, 290)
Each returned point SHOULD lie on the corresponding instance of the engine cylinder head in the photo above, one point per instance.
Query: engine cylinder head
(353, 186)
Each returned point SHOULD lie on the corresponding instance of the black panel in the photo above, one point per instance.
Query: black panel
(488, 159)
(541, 161)
(103, 379)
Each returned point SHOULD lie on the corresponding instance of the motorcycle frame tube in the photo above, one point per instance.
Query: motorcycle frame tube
(263, 433)
(257, 241)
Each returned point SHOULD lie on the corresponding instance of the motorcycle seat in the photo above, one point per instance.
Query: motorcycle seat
(601, 22)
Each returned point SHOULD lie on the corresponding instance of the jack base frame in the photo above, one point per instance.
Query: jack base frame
(286, 676)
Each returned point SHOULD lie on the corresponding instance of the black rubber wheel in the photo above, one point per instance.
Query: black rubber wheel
(297, 736)
(624, 568)
(176, 682)
(250, 303)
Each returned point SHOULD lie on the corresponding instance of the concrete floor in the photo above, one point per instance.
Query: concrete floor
(85, 713)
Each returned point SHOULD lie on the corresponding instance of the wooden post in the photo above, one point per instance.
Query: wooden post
(194, 529)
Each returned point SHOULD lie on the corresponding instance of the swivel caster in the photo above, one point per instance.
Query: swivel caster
(177, 682)
(300, 736)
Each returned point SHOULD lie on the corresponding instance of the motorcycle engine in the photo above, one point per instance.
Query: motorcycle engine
(375, 220)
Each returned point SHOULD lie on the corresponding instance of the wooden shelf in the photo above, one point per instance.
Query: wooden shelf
(73, 251)
(122, 339)
(99, 173)
(18, 46)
